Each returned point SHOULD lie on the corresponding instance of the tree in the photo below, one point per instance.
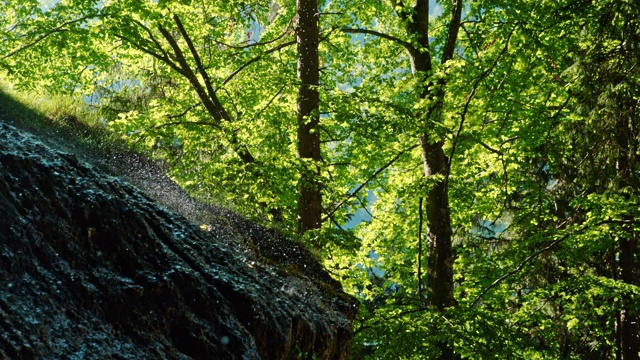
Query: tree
(492, 146)
(607, 95)
(174, 57)
(308, 38)
(435, 162)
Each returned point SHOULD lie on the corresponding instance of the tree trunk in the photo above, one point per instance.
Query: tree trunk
(628, 318)
(310, 200)
(435, 162)
(440, 265)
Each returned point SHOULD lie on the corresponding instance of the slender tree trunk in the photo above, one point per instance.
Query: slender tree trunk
(628, 245)
(617, 323)
(310, 200)
(628, 318)
(435, 162)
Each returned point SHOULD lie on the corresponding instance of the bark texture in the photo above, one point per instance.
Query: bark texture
(307, 36)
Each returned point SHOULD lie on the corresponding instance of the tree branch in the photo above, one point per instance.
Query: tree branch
(405, 44)
(153, 38)
(452, 33)
(257, 58)
(57, 29)
(203, 73)
(212, 104)
(518, 268)
(190, 75)
(164, 58)
(465, 110)
(420, 220)
(373, 176)
(269, 103)
(363, 207)
(182, 113)
(201, 123)
(242, 47)
(545, 249)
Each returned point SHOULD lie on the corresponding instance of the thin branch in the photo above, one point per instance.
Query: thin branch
(545, 249)
(464, 28)
(233, 104)
(164, 58)
(182, 113)
(420, 297)
(188, 73)
(498, 152)
(373, 176)
(505, 181)
(257, 58)
(211, 104)
(153, 38)
(333, 220)
(405, 44)
(363, 207)
(269, 103)
(242, 47)
(174, 123)
(57, 29)
(386, 319)
(468, 102)
(325, 37)
(519, 268)
(201, 123)
(330, 135)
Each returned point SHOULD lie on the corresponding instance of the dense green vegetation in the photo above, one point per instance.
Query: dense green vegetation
(492, 143)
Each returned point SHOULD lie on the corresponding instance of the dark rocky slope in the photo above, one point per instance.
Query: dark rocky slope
(93, 268)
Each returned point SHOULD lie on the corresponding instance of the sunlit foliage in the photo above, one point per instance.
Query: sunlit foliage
(539, 121)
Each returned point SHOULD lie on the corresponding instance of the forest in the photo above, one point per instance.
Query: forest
(467, 169)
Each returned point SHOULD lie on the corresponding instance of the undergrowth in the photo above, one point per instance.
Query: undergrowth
(66, 122)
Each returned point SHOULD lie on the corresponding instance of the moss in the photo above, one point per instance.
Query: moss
(289, 269)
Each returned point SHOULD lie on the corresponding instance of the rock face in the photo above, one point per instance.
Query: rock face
(93, 268)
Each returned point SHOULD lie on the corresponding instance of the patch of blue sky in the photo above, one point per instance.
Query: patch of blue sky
(362, 214)
(46, 5)
(435, 9)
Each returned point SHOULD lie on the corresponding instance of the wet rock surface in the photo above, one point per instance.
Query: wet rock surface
(93, 268)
